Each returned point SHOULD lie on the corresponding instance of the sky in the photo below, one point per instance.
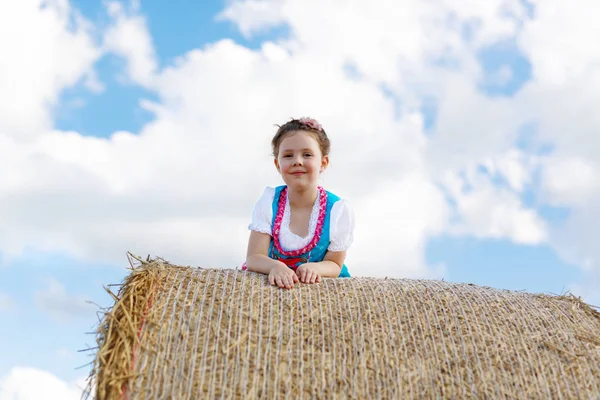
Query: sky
(465, 136)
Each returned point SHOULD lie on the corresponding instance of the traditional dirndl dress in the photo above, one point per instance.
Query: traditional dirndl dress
(316, 249)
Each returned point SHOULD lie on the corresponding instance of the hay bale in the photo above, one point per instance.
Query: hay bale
(188, 333)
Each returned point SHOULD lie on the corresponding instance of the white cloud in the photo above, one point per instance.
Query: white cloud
(563, 95)
(562, 101)
(392, 37)
(190, 216)
(253, 16)
(569, 181)
(183, 187)
(516, 167)
(128, 37)
(486, 209)
(576, 238)
(25, 383)
(46, 49)
(470, 126)
(62, 306)
(399, 217)
(560, 42)
(493, 213)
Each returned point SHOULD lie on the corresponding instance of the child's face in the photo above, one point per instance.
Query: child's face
(300, 160)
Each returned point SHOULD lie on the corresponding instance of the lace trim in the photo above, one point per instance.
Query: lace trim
(277, 226)
(260, 228)
(312, 221)
(343, 245)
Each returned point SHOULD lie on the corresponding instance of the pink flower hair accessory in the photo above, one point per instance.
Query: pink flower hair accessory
(311, 123)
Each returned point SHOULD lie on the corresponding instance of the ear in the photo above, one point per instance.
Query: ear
(276, 162)
(324, 163)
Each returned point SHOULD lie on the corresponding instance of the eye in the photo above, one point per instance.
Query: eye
(307, 155)
(287, 155)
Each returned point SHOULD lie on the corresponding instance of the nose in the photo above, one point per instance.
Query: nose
(297, 161)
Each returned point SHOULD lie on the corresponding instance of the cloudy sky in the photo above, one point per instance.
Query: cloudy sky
(464, 134)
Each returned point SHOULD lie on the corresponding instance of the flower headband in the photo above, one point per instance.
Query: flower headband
(311, 123)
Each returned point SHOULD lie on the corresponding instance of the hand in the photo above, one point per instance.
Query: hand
(282, 276)
(308, 273)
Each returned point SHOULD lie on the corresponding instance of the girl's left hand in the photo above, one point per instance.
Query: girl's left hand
(307, 273)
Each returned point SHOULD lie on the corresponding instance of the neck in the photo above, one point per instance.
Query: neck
(302, 197)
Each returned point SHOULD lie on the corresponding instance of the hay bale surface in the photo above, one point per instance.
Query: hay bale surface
(189, 333)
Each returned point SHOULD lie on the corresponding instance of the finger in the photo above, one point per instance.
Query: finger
(302, 275)
(295, 278)
(290, 282)
(279, 282)
(271, 280)
(285, 281)
(313, 277)
(308, 276)
(318, 278)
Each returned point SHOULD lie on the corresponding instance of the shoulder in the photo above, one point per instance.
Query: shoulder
(332, 197)
(263, 212)
(265, 200)
(268, 193)
(342, 214)
(342, 226)
(342, 209)
(338, 202)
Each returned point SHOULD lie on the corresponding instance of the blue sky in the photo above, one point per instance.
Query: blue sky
(49, 275)
(118, 107)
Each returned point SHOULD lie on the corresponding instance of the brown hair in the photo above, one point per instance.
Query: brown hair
(303, 124)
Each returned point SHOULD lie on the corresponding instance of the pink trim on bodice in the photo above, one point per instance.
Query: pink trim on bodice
(279, 217)
(318, 230)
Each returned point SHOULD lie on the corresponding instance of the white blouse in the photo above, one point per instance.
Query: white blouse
(341, 229)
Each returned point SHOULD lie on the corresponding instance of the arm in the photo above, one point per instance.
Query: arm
(331, 264)
(342, 218)
(257, 255)
(257, 260)
(330, 267)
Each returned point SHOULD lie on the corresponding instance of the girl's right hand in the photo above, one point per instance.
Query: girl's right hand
(282, 276)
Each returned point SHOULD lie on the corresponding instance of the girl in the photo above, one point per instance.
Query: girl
(299, 232)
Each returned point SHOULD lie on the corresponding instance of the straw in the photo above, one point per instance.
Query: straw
(189, 333)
